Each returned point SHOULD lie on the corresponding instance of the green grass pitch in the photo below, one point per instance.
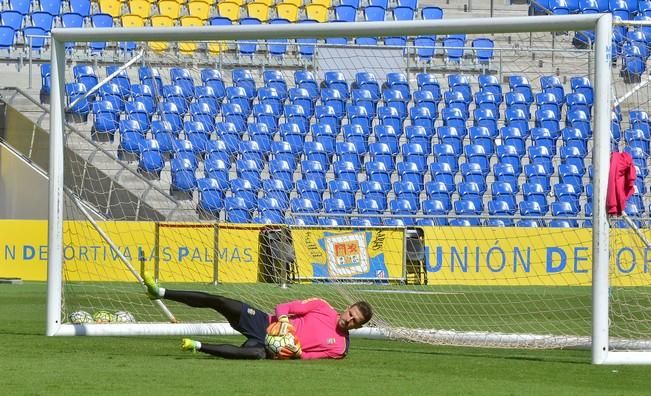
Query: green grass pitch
(33, 364)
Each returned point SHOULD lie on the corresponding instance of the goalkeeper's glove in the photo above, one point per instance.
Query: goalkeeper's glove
(290, 352)
(281, 327)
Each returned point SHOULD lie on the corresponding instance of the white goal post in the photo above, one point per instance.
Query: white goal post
(600, 23)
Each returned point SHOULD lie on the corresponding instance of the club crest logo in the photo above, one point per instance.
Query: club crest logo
(346, 255)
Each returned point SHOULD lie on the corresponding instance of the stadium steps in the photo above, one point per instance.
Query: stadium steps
(113, 181)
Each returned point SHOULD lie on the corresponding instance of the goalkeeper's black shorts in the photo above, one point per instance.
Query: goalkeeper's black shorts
(253, 324)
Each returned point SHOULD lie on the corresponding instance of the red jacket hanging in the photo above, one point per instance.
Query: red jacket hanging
(621, 182)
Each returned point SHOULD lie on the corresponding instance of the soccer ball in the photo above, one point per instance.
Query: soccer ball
(80, 317)
(275, 343)
(103, 317)
(123, 317)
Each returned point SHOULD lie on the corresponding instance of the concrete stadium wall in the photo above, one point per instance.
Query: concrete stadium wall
(23, 190)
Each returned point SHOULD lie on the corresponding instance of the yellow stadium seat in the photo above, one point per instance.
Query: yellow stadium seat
(297, 3)
(132, 21)
(269, 3)
(160, 21)
(318, 12)
(287, 11)
(238, 2)
(188, 47)
(111, 7)
(325, 3)
(141, 8)
(258, 10)
(229, 10)
(169, 8)
(199, 8)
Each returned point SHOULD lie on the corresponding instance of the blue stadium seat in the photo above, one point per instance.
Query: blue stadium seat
(183, 177)
(509, 155)
(308, 189)
(536, 173)
(387, 134)
(216, 169)
(365, 80)
(431, 12)
(327, 115)
(381, 152)
(503, 191)
(512, 136)
(195, 132)
(543, 137)
(428, 82)
(243, 78)
(237, 210)
(346, 170)
(151, 159)
(409, 171)
(364, 98)
(302, 208)
(370, 209)
(534, 192)
(454, 49)
(305, 79)
(471, 191)
(81, 7)
(374, 13)
(552, 84)
(540, 155)
(356, 135)
(483, 49)
(151, 77)
(502, 213)
(438, 191)
(357, 115)
(407, 191)
(137, 111)
(277, 189)
(212, 78)
(583, 86)
(341, 189)
(450, 136)
(573, 156)
(488, 101)
(445, 153)
(249, 170)
(292, 134)
(563, 209)
(414, 152)
(490, 84)
(483, 137)
(269, 208)
(521, 85)
(244, 189)
(534, 210)
(162, 133)
(313, 170)
(377, 171)
(398, 81)
(569, 174)
(472, 172)
(403, 208)
(100, 20)
(301, 97)
(374, 191)
(105, 120)
(168, 111)
(77, 92)
(211, 197)
(453, 117)
(270, 96)
(476, 154)
(506, 173)
(468, 210)
(324, 134)
(427, 99)
(264, 114)
(337, 206)
(437, 210)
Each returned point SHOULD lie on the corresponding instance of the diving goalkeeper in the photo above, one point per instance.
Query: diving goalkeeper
(322, 331)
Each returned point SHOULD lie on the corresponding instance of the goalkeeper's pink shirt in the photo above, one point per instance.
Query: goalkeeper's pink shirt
(315, 322)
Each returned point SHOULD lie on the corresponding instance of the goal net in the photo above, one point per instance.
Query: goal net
(443, 171)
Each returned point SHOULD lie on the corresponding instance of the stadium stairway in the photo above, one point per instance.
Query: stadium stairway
(117, 186)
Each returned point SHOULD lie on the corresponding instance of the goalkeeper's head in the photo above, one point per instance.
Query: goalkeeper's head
(355, 316)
